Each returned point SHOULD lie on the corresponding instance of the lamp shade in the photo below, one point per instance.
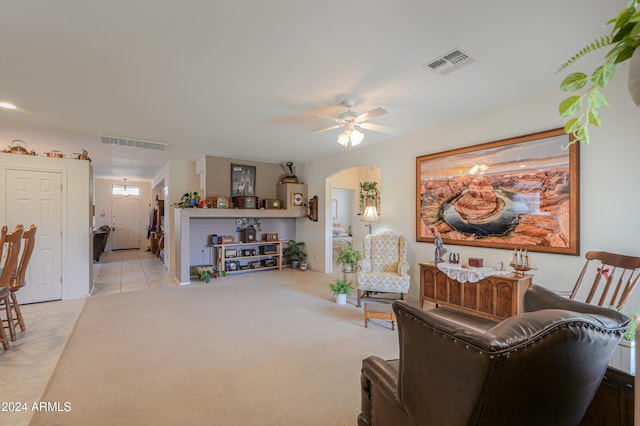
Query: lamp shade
(356, 137)
(343, 138)
(370, 214)
(350, 137)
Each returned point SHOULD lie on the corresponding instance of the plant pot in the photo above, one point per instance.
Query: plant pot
(341, 299)
(634, 76)
(201, 268)
(347, 267)
(624, 357)
(295, 264)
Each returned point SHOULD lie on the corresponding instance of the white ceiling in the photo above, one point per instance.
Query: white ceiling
(240, 78)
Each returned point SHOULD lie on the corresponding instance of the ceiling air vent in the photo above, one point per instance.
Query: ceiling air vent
(450, 61)
(109, 140)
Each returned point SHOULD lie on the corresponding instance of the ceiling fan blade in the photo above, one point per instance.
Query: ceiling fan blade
(371, 114)
(326, 117)
(378, 128)
(326, 130)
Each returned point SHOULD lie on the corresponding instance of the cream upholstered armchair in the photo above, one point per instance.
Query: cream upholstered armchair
(384, 267)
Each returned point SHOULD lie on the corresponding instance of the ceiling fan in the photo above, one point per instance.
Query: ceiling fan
(350, 120)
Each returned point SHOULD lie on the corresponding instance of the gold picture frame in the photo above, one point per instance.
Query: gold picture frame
(520, 192)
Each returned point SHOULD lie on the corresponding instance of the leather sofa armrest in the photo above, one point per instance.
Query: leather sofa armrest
(381, 374)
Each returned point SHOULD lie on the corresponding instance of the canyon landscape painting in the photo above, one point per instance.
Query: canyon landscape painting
(515, 193)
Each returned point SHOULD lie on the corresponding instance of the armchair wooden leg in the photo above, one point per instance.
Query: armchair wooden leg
(359, 298)
(403, 296)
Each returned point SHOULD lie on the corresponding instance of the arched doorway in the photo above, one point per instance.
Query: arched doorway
(343, 209)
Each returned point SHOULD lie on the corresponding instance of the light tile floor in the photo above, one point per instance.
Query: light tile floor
(25, 369)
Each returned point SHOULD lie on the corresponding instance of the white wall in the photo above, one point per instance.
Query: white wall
(77, 242)
(609, 204)
(177, 178)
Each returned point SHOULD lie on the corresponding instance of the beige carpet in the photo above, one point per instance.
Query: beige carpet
(269, 348)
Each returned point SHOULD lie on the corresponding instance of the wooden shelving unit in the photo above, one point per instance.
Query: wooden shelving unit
(233, 253)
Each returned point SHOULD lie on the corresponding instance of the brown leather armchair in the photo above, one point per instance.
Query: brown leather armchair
(541, 367)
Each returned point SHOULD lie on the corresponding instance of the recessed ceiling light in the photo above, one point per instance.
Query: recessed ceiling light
(7, 105)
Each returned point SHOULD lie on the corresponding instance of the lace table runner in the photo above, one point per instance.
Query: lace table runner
(470, 274)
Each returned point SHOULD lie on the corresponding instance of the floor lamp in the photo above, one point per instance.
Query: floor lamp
(370, 215)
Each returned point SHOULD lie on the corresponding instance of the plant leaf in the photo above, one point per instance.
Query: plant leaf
(624, 31)
(573, 82)
(582, 134)
(597, 99)
(598, 43)
(603, 74)
(623, 17)
(570, 106)
(626, 52)
(572, 125)
(593, 118)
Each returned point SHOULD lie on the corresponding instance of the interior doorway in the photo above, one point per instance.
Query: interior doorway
(344, 187)
(125, 223)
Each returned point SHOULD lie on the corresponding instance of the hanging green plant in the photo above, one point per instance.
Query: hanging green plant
(369, 195)
(624, 39)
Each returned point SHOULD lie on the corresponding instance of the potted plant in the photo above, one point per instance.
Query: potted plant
(206, 272)
(340, 289)
(294, 253)
(623, 42)
(369, 195)
(348, 257)
(194, 198)
(189, 199)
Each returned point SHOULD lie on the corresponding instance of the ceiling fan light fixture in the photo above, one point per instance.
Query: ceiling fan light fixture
(350, 137)
(343, 138)
(356, 137)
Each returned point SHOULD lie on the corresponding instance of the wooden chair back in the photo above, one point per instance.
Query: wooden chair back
(29, 240)
(616, 277)
(11, 246)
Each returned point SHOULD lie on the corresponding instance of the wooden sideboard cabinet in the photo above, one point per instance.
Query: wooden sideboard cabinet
(497, 297)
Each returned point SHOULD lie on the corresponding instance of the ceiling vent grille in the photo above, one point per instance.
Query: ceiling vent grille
(131, 143)
(450, 61)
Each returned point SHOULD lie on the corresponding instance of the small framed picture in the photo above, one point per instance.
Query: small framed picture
(243, 180)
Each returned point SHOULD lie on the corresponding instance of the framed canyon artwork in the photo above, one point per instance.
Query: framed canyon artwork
(520, 193)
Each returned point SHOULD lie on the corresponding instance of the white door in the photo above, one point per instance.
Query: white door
(125, 223)
(36, 197)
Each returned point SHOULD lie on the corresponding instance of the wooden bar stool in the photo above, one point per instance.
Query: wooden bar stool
(11, 243)
(19, 281)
